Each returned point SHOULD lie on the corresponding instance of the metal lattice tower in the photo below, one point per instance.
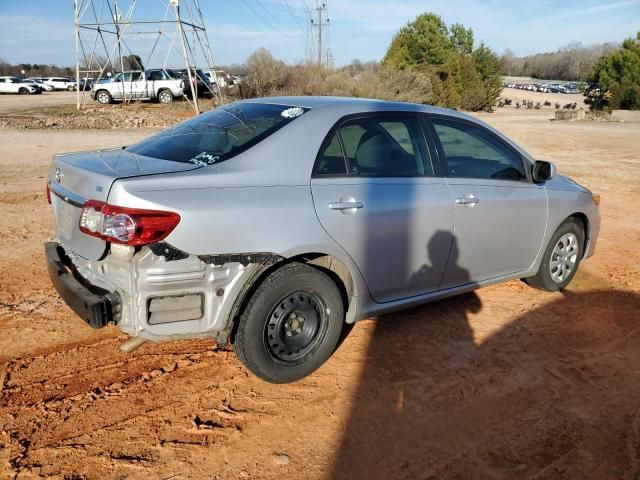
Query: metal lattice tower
(113, 34)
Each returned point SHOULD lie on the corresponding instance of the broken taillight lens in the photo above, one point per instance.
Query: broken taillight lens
(129, 226)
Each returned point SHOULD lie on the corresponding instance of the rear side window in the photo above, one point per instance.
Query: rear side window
(219, 134)
(331, 160)
(376, 146)
(472, 152)
(155, 75)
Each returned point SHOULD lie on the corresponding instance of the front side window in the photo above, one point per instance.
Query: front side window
(218, 134)
(380, 146)
(473, 152)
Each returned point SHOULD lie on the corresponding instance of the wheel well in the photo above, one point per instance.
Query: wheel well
(329, 264)
(584, 221)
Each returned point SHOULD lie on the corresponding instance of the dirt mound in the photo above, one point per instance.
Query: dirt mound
(99, 117)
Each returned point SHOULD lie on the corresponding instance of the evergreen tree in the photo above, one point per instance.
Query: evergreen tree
(461, 77)
(618, 76)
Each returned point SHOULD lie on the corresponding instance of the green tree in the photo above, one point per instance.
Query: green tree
(489, 68)
(461, 38)
(423, 42)
(460, 76)
(618, 76)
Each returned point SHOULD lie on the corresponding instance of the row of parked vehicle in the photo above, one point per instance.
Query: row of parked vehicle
(33, 85)
(162, 84)
(545, 87)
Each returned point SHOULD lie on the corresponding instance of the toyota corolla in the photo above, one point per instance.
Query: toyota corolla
(272, 223)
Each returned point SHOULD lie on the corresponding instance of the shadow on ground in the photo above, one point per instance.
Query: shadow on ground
(555, 395)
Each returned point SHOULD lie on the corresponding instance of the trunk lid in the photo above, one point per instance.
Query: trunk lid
(77, 177)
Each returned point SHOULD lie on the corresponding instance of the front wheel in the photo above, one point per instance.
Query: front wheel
(23, 91)
(291, 324)
(561, 258)
(104, 97)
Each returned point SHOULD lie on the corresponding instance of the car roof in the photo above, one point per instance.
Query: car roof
(357, 104)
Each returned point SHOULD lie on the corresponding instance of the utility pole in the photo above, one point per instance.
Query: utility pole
(77, 35)
(320, 24)
(320, 9)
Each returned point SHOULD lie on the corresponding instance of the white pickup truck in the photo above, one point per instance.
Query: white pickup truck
(153, 84)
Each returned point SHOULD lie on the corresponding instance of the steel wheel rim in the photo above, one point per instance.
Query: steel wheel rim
(295, 327)
(103, 98)
(564, 257)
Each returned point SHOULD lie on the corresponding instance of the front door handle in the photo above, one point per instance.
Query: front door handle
(469, 200)
(347, 205)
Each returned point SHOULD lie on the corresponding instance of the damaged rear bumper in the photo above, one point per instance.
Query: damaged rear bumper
(159, 292)
(95, 309)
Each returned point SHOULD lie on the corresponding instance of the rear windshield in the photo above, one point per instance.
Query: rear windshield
(219, 134)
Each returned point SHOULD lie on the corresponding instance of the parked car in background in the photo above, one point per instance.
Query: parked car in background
(18, 85)
(220, 78)
(43, 86)
(60, 83)
(152, 84)
(199, 79)
(85, 84)
(273, 222)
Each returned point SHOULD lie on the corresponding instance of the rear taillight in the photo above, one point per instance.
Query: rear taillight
(48, 193)
(129, 226)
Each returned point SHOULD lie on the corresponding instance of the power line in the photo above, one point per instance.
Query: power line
(286, 3)
(266, 22)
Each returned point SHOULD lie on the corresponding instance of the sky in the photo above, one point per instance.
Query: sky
(41, 31)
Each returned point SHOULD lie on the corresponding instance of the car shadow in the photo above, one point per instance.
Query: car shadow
(555, 394)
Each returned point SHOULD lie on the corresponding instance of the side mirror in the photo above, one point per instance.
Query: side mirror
(543, 171)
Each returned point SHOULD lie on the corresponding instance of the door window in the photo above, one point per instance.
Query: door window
(472, 152)
(156, 75)
(331, 159)
(380, 146)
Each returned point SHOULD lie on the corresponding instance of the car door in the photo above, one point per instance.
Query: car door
(500, 215)
(5, 85)
(138, 85)
(154, 81)
(376, 194)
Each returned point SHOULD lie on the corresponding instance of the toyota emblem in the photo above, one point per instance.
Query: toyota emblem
(59, 175)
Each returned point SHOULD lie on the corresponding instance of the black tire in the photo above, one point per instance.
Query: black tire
(543, 280)
(165, 96)
(70, 88)
(104, 97)
(291, 325)
(23, 91)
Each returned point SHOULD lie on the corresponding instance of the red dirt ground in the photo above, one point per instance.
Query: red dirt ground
(505, 383)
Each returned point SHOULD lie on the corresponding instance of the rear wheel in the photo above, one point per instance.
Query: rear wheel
(165, 96)
(104, 97)
(561, 258)
(291, 325)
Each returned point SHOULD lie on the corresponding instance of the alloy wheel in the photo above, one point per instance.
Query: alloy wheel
(564, 257)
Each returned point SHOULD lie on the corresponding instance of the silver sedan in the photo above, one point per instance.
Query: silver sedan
(272, 223)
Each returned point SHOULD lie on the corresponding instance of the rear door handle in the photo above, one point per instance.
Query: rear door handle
(468, 200)
(347, 205)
